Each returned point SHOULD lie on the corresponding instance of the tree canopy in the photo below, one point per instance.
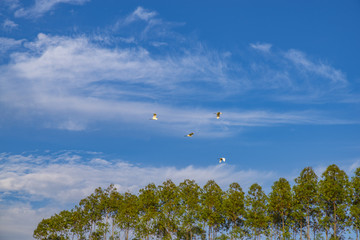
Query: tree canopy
(325, 207)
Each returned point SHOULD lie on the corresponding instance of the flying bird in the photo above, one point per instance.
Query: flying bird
(221, 160)
(218, 115)
(154, 117)
(189, 135)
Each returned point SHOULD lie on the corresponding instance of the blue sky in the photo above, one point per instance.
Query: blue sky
(79, 80)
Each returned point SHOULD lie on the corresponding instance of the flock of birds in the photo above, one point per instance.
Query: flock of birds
(191, 134)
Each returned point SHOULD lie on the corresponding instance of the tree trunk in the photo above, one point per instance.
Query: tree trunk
(308, 223)
(283, 224)
(209, 232)
(112, 228)
(106, 221)
(326, 233)
(335, 221)
(127, 234)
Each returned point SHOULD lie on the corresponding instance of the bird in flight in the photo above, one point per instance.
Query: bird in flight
(154, 117)
(218, 115)
(189, 135)
(221, 160)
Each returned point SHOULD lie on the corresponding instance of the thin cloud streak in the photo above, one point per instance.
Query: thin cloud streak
(42, 6)
(9, 43)
(300, 60)
(140, 14)
(75, 82)
(68, 177)
(264, 47)
(9, 25)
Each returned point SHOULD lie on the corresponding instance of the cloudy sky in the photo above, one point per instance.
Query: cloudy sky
(80, 79)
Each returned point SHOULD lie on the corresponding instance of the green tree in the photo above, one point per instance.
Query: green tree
(189, 193)
(106, 207)
(148, 211)
(91, 212)
(280, 203)
(234, 210)
(355, 202)
(306, 194)
(80, 224)
(211, 202)
(55, 227)
(297, 217)
(334, 196)
(127, 213)
(115, 202)
(169, 203)
(256, 210)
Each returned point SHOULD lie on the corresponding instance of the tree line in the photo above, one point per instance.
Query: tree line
(313, 208)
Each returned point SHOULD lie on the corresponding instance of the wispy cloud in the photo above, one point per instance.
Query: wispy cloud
(148, 28)
(9, 25)
(324, 70)
(76, 82)
(42, 6)
(11, 4)
(63, 179)
(67, 177)
(140, 14)
(264, 47)
(22, 214)
(9, 43)
(295, 76)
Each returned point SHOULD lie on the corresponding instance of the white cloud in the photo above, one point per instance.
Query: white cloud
(63, 179)
(355, 165)
(42, 6)
(9, 25)
(293, 77)
(18, 222)
(11, 4)
(264, 47)
(326, 71)
(147, 28)
(71, 82)
(9, 43)
(140, 14)
(68, 178)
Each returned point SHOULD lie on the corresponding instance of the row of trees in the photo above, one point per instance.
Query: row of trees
(312, 208)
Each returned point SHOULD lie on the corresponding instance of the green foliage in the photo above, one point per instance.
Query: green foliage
(256, 210)
(328, 207)
(211, 211)
(148, 211)
(234, 211)
(355, 201)
(127, 212)
(169, 203)
(305, 197)
(280, 203)
(189, 193)
(334, 198)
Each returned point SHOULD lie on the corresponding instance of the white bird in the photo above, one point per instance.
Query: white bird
(189, 135)
(154, 117)
(218, 115)
(221, 160)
